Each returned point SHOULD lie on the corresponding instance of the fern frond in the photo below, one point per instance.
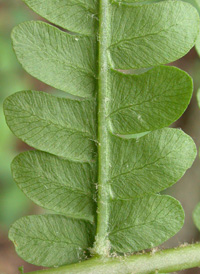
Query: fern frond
(90, 142)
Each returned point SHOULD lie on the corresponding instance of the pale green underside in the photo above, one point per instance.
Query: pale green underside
(148, 101)
(68, 62)
(137, 165)
(36, 236)
(196, 4)
(156, 36)
(64, 61)
(79, 16)
(61, 175)
(60, 126)
(135, 226)
(60, 185)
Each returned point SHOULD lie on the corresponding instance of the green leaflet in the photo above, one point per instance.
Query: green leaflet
(196, 216)
(129, 216)
(196, 4)
(149, 39)
(60, 126)
(64, 61)
(148, 101)
(75, 15)
(137, 165)
(51, 240)
(57, 184)
(67, 62)
(144, 222)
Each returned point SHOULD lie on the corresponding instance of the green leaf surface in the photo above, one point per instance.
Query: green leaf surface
(196, 4)
(51, 240)
(75, 15)
(196, 216)
(149, 164)
(62, 186)
(148, 35)
(148, 101)
(60, 126)
(64, 61)
(144, 222)
(107, 141)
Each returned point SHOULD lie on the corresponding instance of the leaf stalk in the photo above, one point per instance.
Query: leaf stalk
(101, 246)
(168, 260)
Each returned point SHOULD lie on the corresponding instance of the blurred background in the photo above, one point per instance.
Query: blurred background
(13, 203)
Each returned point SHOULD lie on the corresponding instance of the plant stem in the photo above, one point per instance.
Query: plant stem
(101, 246)
(166, 261)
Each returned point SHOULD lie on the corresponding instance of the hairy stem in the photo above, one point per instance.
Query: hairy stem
(102, 245)
(166, 261)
